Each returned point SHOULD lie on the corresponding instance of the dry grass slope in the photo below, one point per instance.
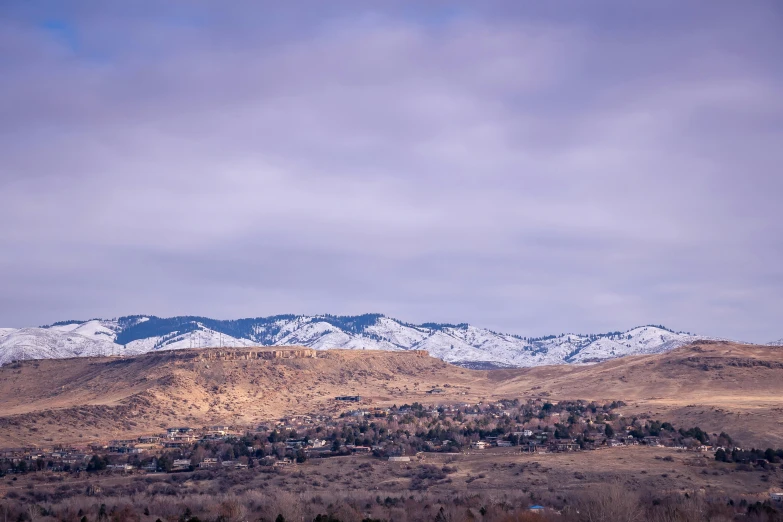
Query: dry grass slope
(718, 386)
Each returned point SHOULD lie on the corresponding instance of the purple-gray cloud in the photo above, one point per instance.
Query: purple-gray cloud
(525, 166)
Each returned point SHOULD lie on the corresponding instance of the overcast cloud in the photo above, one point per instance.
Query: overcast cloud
(531, 167)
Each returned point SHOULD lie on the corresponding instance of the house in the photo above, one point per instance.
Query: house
(216, 433)
(209, 462)
(479, 445)
(171, 432)
(435, 390)
(122, 447)
(318, 452)
(504, 443)
(231, 464)
(536, 509)
(348, 398)
(180, 464)
(776, 496)
(119, 467)
(295, 443)
(399, 459)
(285, 463)
(180, 441)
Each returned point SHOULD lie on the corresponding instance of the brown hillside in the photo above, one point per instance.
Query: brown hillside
(102, 398)
(718, 386)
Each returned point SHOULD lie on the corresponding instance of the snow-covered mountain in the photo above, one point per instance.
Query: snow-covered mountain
(461, 344)
(779, 342)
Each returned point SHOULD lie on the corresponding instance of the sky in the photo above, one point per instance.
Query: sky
(530, 167)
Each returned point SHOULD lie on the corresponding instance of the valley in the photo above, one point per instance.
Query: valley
(370, 433)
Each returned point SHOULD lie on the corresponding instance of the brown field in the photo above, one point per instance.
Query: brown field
(499, 470)
(355, 487)
(718, 386)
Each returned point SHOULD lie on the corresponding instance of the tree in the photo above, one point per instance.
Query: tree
(232, 510)
(198, 456)
(165, 462)
(97, 463)
(608, 430)
(637, 433)
(724, 439)
(770, 455)
(33, 512)
(613, 502)
(325, 518)
(301, 456)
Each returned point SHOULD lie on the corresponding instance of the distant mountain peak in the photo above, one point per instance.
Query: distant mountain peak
(460, 343)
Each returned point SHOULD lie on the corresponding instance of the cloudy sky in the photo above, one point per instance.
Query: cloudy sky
(531, 167)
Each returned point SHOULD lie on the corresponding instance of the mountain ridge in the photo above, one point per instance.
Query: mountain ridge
(461, 344)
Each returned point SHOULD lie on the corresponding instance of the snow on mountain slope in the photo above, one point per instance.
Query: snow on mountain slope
(471, 345)
(459, 344)
(203, 337)
(43, 343)
(93, 329)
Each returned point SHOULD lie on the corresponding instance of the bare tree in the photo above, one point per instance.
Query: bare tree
(34, 512)
(612, 502)
(233, 510)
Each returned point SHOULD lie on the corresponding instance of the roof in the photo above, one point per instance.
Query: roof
(537, 507)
